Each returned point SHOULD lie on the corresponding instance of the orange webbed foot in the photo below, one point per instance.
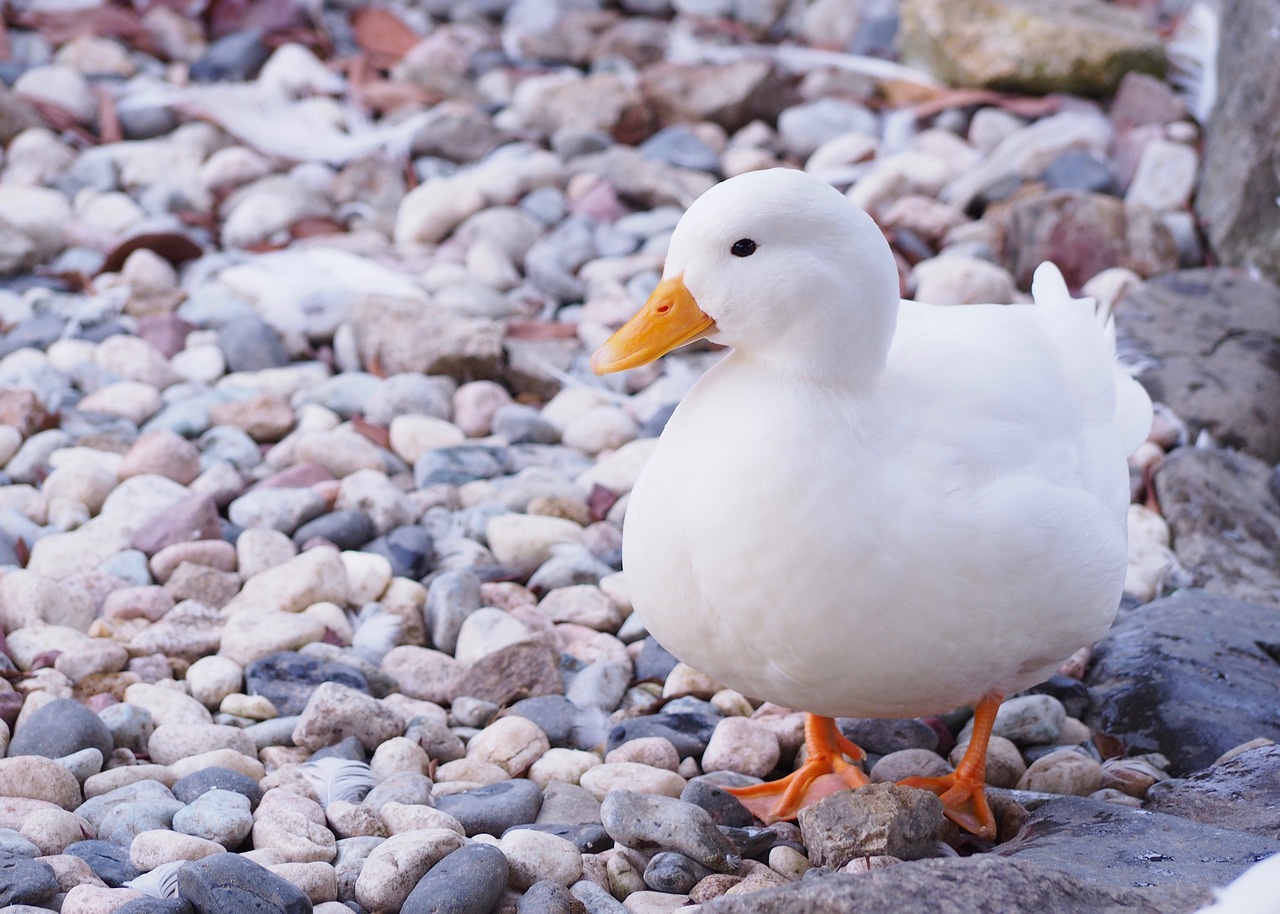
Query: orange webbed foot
(826, 771)
(963, 791)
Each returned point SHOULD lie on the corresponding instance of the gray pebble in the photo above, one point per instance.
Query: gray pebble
(673, 873)
(494, 808)
(222, 816)
(648, 822)
(470, 880)
(61, 728)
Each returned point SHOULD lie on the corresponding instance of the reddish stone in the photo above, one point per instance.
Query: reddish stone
(193, 518)
(298, 476)
(166, 332)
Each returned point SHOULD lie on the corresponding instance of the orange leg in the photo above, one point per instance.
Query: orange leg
(962, 791)
(824, 772)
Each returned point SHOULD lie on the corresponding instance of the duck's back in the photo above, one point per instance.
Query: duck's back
(959, 530)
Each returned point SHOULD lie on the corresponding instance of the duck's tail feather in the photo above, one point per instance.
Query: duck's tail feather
(1086, 336)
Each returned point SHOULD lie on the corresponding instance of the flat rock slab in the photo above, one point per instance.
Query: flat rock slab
(1213, 340)
(982, 884)
(1191, 676)
(1116, 847)
(1243, 793)
(1225, 519)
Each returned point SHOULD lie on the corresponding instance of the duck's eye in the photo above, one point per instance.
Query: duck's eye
(743, 247)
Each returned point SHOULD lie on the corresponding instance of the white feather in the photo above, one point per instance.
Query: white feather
(1193, 58)
(376, 634)
(1256, 891)
(338, 779)
(162, 882)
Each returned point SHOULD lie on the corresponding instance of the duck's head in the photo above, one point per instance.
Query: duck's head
(778, 265)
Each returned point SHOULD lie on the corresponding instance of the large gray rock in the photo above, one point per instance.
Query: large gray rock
(1211, 341)
(1113, 846)
(982, 884)
(1225, 519)
(1079, 46)
(1191, 676)
(1242, 793)
(1240, 180)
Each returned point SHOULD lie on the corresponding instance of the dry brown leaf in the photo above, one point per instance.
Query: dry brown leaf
(172, 246)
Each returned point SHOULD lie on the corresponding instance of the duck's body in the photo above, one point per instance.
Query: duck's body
(871, 507)
(957, 530)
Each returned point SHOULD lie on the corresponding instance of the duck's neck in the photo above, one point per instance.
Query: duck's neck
(844, 349)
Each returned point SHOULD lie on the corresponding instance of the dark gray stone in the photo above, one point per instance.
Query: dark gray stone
(1078, 170)
(60, 728)
(1243, 793)
(673, 873)
(468, 881)
(1190, 676)
(547, 897)
(1240, 177)
(1107, 845)
(689, 733)
(409, 549)
(1073, 693)
(345, 529)
(230, 882)
(521, 424)
(451, 597)
(109, 862)
(287, 679)
(232, 58)
(663, 823)
(494, 808)
(1211, 338)
(25, 881)
(596, 899)
(459, 464)
(678, 145)
(888, 735)
(556, 715)
(250, 344)
(200, 782)
(1225, 521)
(981, 884)
(724, 808)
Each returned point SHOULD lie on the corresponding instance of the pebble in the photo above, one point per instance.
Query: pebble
(879, 819)
(494, 808)
(471, 879)
(533, 855)
(224, 882)
(646, 822)
(1063, 771)
(393, 868)
(61, 728)
(742, 745)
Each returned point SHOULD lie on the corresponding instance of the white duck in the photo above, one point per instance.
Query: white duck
(871, 507)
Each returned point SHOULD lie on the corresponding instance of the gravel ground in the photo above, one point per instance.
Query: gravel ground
(311, 514)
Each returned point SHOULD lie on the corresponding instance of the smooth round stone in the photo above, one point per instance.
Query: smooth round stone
(155, 906)
(1064, 771)
(1026, 720)
(409, 549)
(109, 862)
(61, 728)
(12, 842)
(908, 763)
(345, 529)
(1073, 693)
(232, 882)
(250, 344)
(494, 808)
(125, 822)
(642, 820)
(534, 855)
(470, 880)
(287, 679)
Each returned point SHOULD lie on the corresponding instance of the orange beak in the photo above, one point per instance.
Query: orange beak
(669, 319)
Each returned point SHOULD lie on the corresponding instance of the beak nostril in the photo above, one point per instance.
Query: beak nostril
(663, 309)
